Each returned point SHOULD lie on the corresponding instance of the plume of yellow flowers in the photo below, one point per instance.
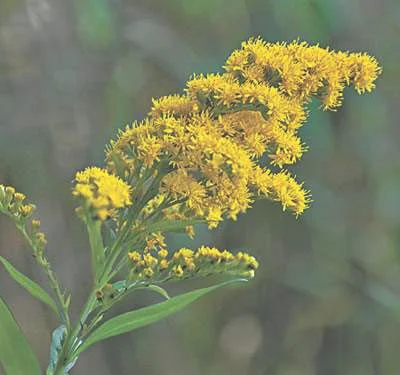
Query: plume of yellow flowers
(209, 153)
(229, 138)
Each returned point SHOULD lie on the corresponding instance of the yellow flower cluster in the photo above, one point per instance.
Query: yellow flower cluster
(301, 71)
(12, 204)
(186, 263)
(101, 192)
(217, 148)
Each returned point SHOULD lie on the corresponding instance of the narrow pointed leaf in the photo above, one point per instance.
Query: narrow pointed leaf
(139, 318)
(159, 290)
(33, 288)
(122, 285)
(16, 355)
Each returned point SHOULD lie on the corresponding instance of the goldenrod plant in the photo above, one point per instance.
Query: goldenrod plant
(199, 157)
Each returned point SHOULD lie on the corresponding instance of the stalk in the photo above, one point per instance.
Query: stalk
(42, 261)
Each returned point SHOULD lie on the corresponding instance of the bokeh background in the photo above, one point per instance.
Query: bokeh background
(326, 299)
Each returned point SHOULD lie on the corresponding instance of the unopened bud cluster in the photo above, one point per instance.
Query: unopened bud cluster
(12, 204)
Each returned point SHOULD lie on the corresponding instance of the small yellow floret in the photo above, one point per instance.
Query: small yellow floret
(134, 256)
(27, 210)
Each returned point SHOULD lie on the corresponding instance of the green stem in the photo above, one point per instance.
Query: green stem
(114, 253)
(116, 249)
(96, 319)
(42, 261)
(66, 355)
(102, 265)
(96, 246)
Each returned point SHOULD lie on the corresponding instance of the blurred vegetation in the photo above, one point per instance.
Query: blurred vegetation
(326, 300)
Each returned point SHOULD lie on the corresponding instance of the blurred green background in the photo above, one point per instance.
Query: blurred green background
(326, 299)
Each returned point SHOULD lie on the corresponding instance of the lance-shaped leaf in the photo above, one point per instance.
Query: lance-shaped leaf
(159, 290)
(122, 286)
(32, 287)
(16, 355)
(142, 317)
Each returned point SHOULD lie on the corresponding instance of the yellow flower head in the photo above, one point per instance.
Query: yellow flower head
(101, 192)
(302, 71)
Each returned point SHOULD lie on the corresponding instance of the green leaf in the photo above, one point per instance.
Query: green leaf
(16, 355)
(32, 287)
(57, 340)
(122, 285)
(159, 290)
(139, 318)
